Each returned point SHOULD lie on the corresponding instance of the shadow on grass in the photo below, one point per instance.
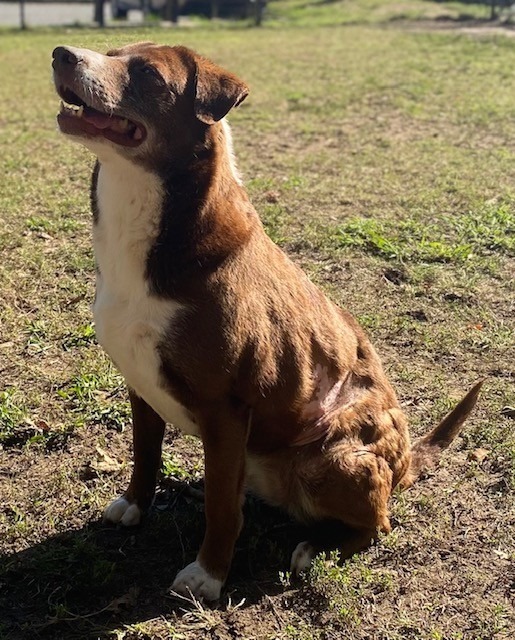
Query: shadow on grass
(88, 582)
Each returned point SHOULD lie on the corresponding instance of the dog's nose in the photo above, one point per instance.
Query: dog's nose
(64, 57)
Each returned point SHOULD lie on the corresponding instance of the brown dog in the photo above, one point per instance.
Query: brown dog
(214, 328)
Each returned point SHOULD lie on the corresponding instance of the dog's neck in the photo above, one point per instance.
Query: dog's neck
(227, 148)
(183, 219)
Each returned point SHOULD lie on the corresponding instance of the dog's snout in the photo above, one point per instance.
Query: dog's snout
(64, 57)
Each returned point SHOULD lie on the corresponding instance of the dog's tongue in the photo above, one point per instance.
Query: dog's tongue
(99, 120)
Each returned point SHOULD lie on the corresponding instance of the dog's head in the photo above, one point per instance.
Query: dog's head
(142, 100)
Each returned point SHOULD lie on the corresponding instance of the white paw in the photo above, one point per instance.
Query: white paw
(302, 557)
(195, 579)
(121, 510)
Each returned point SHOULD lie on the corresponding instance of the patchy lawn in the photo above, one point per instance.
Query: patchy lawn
(382, 160)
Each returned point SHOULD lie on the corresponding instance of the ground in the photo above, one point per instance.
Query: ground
(380, 155)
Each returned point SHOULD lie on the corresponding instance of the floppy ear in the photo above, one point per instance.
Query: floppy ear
(216, 92)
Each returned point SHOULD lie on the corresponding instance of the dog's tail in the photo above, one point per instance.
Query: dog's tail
(426, 451)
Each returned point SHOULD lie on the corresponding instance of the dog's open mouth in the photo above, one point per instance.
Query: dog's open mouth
(77, 118)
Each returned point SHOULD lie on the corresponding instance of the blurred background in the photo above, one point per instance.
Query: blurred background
(103, 12)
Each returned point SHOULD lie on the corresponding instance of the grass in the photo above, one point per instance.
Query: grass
(380, 154)
(304, 13)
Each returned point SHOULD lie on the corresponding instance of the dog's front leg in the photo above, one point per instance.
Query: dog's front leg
(224, 436)
(147, 433)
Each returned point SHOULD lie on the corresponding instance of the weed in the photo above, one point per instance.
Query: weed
(285, 578)
(11, 412)
(37, 337)
(172, 468)
(90, 399)
(35, 223)
(275, 222)
(82, 336)
(405, 241)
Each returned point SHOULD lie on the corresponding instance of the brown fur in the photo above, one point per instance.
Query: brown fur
(244, 356)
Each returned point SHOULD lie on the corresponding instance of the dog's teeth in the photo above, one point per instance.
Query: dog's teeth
(123, 124)
(71, 109)
(138, 134)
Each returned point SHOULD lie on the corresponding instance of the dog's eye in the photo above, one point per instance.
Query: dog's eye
(148, 69)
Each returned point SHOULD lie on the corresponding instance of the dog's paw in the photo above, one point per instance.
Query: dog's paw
(195, 580)
(302, 557)
(121, 510)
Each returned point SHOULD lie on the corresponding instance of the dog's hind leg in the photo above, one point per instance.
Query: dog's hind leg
(350, 503)
(326, 536)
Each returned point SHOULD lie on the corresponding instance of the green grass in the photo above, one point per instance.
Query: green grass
(381, 158)
(306, 13)
(11, 411)
(467, 239)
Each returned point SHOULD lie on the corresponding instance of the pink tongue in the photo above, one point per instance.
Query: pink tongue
(99, 120)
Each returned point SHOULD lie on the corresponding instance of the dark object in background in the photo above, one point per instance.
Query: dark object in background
(98, 15)
(208, 8)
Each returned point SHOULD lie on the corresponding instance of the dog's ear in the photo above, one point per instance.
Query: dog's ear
(216, 91)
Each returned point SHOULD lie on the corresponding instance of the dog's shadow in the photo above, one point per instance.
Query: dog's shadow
(86, 582)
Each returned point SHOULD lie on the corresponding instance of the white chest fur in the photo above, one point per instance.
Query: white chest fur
(130, 323)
